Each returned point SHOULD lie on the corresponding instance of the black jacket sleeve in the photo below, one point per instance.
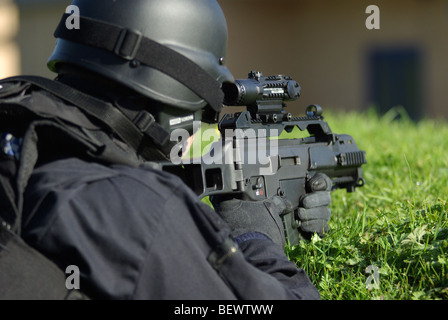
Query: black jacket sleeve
(142, 234)
(270, 258)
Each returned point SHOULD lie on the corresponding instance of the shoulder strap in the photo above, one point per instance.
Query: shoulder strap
(16, 110)
(132, 133)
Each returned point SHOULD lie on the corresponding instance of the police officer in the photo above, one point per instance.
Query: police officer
(92, 199)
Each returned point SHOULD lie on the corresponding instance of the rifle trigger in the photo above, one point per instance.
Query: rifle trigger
(259, 184)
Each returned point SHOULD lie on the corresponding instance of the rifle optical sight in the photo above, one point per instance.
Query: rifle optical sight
(265, 94)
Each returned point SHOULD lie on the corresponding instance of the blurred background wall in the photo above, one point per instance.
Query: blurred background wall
(9, 50)
(323, 44)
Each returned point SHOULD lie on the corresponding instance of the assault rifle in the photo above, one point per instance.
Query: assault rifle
(251, 162)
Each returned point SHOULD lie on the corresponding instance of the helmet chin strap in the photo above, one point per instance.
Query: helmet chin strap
(133, 105)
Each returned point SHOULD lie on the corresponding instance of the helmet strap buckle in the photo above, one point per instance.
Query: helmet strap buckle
(128, 44)
(146, 123)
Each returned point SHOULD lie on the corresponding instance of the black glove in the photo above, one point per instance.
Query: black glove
(253, 216)
(313, 208)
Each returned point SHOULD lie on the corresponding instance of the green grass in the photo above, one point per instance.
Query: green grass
(397, 222)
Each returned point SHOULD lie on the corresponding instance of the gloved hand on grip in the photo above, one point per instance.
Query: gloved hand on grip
(313, 207)
(246, 217)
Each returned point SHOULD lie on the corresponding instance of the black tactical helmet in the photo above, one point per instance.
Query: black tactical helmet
(143, 44)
